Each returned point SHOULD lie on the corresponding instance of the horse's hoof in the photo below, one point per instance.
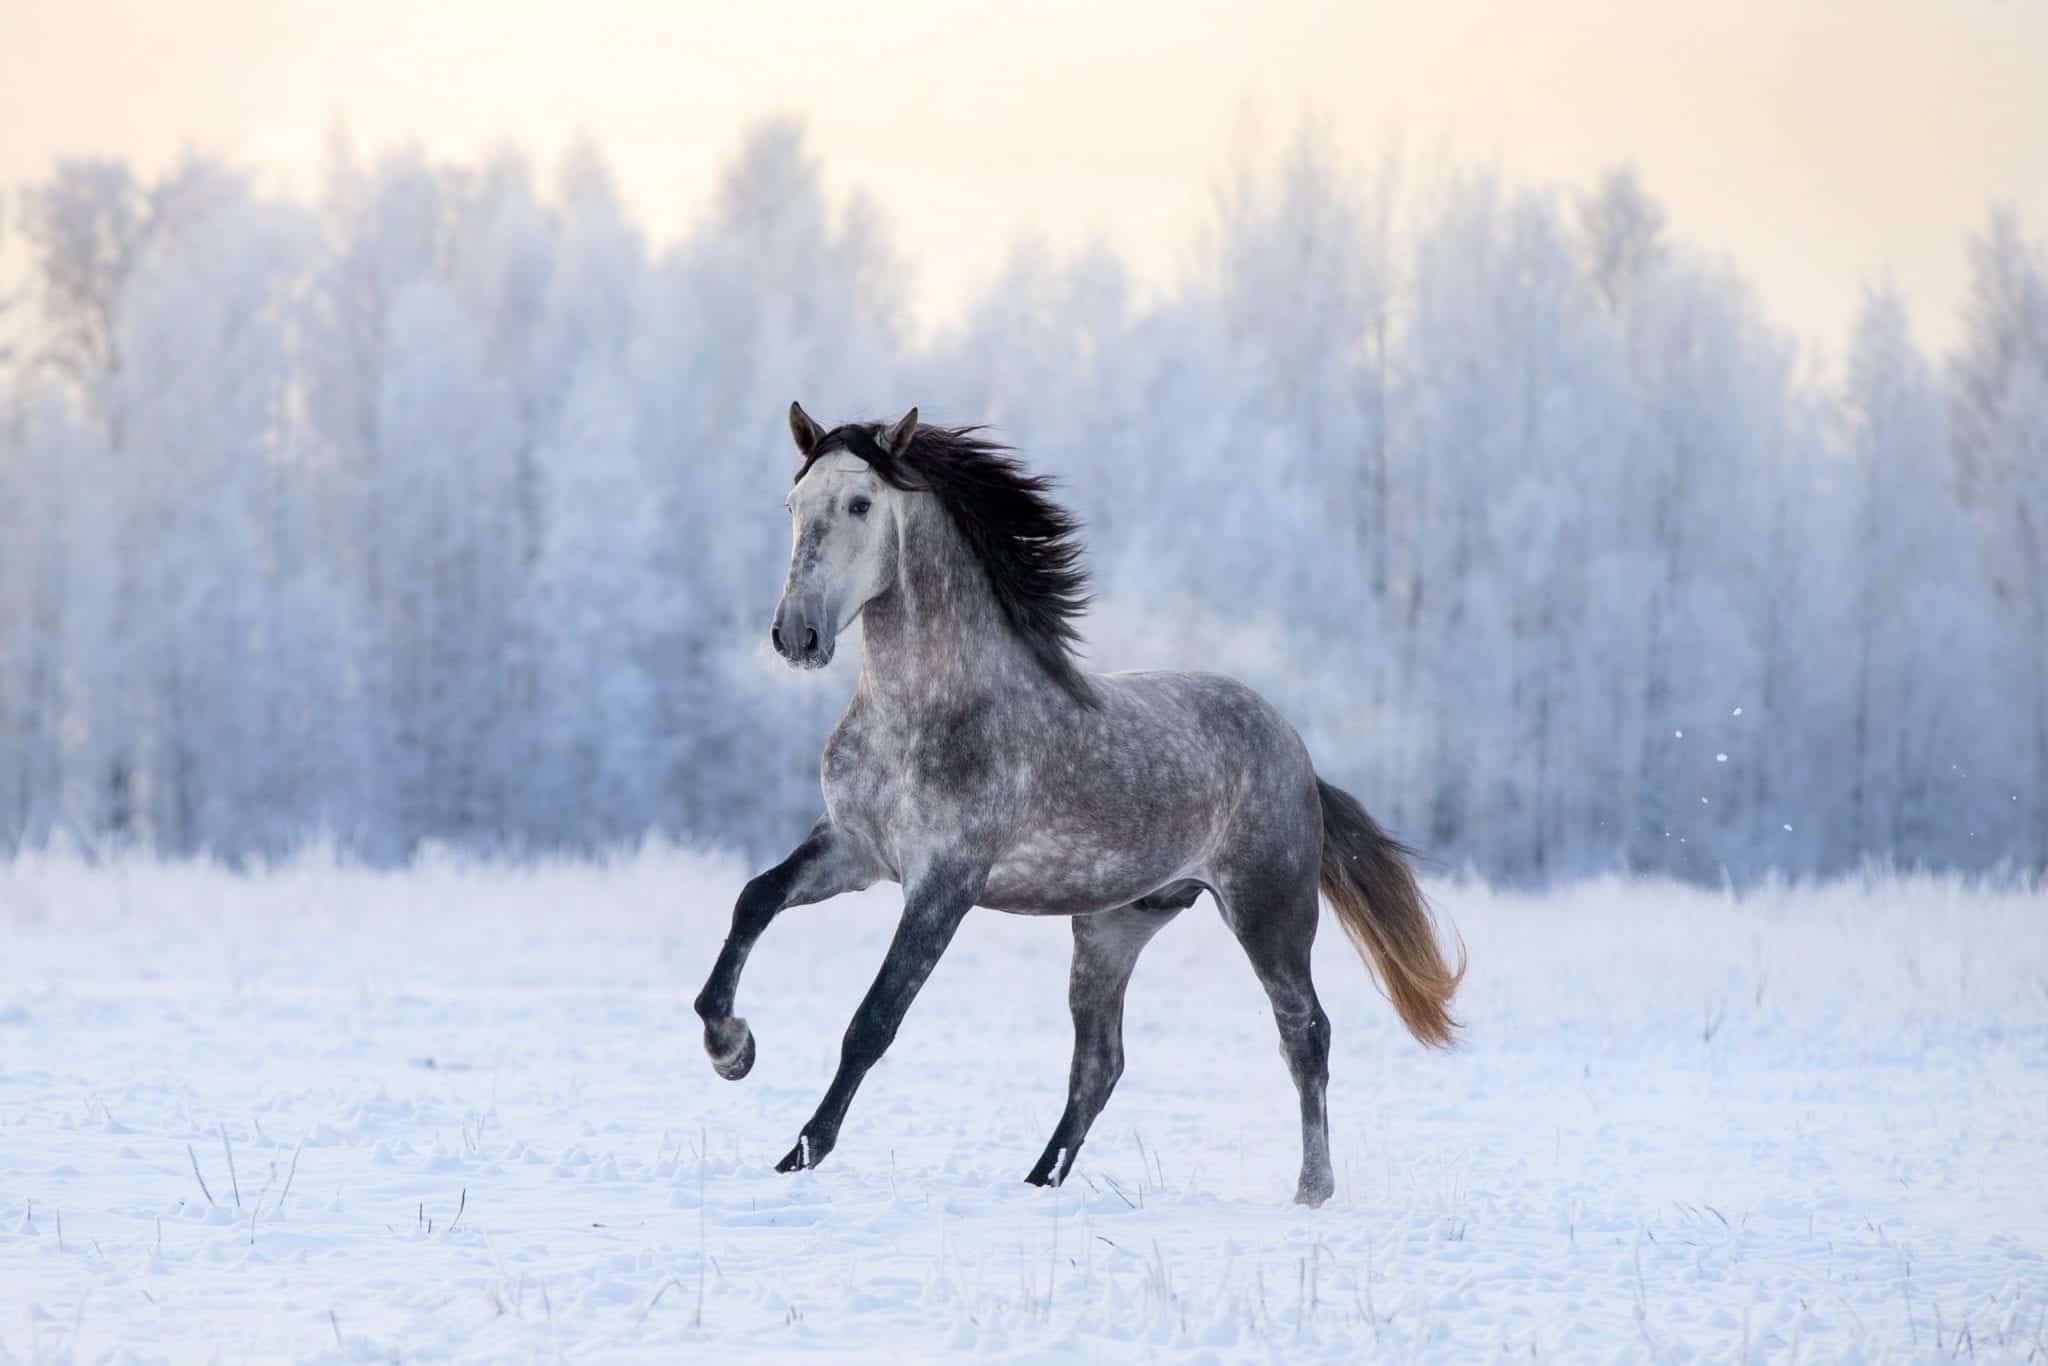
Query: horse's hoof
(1052, 1167)
(804, 1155)
(731, 1046)
(1314, 1193)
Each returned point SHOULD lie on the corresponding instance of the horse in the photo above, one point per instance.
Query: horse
(978, 764)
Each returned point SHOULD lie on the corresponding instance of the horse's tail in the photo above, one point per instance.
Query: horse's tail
(1371, 887)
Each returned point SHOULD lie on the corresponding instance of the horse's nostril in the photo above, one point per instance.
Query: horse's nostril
(775, 636)
(810, 638)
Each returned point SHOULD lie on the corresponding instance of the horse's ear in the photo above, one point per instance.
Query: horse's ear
(806, 432)
(896, 439)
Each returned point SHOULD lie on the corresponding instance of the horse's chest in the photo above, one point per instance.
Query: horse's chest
(858, 788)
(902, 786)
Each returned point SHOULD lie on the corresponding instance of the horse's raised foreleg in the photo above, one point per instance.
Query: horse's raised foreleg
(823, 866)
(1106, 949)
(933, 907)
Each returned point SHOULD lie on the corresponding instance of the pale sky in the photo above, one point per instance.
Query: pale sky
(1814, 144)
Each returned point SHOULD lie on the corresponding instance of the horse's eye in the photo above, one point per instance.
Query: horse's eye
(858, 507)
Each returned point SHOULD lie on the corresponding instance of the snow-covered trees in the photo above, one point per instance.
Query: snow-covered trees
(1917, 615)
(440, 509)
(2001, 426)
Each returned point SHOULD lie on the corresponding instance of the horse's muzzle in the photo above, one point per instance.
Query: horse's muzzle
(800, 638)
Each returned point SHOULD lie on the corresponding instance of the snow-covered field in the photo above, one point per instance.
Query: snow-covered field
(1805, 1124)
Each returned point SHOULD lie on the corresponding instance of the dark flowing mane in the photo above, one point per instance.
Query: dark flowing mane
(1028, 544)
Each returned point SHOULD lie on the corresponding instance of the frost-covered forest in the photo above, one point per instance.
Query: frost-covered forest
(443, 506)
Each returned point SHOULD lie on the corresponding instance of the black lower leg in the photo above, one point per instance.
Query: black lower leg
(931, 914)
(813, 872)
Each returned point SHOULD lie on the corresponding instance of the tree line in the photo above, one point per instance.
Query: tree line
(441, 506)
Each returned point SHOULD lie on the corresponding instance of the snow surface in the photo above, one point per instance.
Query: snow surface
(1810, 1123)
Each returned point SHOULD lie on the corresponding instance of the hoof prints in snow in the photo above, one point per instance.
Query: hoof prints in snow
(1681, 1127)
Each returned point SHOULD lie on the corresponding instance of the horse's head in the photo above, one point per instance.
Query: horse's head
(845, 522)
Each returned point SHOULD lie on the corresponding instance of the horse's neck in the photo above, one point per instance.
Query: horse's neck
(938, 638)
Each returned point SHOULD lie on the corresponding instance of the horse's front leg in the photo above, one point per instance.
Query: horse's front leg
(823, 866)
(933, 907)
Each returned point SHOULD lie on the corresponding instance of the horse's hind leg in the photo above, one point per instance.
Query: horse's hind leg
(1275, 921)
(1106, 948)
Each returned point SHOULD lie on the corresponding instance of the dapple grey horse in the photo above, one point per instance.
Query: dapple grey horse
(978, 765)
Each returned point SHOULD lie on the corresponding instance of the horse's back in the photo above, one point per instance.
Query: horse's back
(1218, 705)
(1234, 719)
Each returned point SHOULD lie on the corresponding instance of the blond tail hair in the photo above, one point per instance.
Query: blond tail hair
(1366, 876)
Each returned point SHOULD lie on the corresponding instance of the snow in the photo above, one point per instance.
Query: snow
(1810, 1122)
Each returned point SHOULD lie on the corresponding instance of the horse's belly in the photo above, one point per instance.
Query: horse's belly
(1053, 876)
